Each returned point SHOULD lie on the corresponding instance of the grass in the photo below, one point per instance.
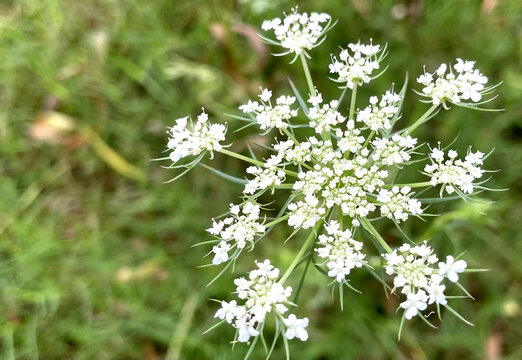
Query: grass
(95, 251)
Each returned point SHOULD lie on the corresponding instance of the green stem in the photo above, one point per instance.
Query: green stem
(241, 157)
(284, 186)
(422, 119)
(306, 245)
(412, 185)
(376, 234)
(341, 97)
(277, 221)
(252, 161)
(289, 134)
(352, 102)
(368, 139)
(311, 87)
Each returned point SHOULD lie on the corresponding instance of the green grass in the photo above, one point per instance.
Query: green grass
(95, 251)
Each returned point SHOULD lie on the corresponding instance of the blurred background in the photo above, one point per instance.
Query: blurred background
(95, 250)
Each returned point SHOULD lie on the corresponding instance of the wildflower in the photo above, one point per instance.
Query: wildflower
(415, 272)
(414, 304)
(351, 139)
(378, 114)
(306, 213)
(397, 203)
(268, 116)
(221, 252)
(294, 153)
(452, 268)
(325, 117)
(393, 151)
(227, 311)
(242, 227)
(356, 65)
(341, 251)
(295, 328)
(262, 294)
(436, 294)
(191, 140)
(466, 83)
(298, 32)
(265, 178)
(454, 173)
(344, 175)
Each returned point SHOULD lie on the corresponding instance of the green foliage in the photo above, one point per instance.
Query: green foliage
(95, 251)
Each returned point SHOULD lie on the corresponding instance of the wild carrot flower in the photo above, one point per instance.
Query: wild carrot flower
(336, 178)
(192, 139)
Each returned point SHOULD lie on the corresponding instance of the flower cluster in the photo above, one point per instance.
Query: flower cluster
(454, 173)
(325, 117)
(418, 278)
(192, 140)
(265, 178)
(262, 294)
(397, 203)
(339, 172)
(298, 32)
(341, 251)
(466, 83)
(235, 231)
(268, 116)
(378, 114)
(356, 65)
(393, 151)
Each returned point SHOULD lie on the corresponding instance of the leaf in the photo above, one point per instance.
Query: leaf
(298, 96)
(230, 178)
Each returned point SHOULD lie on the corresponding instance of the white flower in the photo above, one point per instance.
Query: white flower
(221, 252)
(356, 66)
(412, 266)
(454, 173)
(295, 328)
(265, 178)
(262, 294)
(305, 214)
(294, 153)
(268, 116)
(377, 115)
(341, 251)
(241, 227)
(351, 139)
(436, 294)
(393, 151)
(414, 303)
(298, 32)
(246, 328)
(325, 117)
(397, 203)
(466, 84)
(452, 268)
(194, 139)
(227, 311)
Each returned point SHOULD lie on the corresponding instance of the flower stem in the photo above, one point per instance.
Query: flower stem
(252, 161)
(311, 87)
(368, 139)
(306, 245)
(422, 119)
(277, 221)
(289, 134)
(412, 185)
(241, 157)
(368, 225)
(352, 102)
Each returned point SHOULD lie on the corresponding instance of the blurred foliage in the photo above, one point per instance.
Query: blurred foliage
(95, 252)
